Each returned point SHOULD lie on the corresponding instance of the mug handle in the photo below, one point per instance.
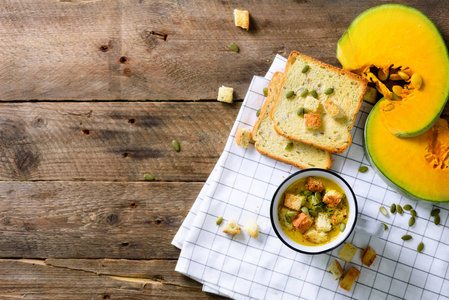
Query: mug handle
(370, 227)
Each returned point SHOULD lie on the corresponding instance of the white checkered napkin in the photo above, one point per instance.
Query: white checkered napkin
(245, 268)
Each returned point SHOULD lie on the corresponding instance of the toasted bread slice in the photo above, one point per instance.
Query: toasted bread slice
(271, 144)
(343, 88)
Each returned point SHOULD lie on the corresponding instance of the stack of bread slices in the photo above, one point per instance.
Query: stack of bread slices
(308, 113)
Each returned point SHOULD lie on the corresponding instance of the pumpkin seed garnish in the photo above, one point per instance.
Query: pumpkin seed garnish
(234, 47)
(393, 208)
(385, 226)
(304, 93)
(149, 177)
(314, 94)
(318, 196)
(342, 226)
(313, 213)
(305, 210)
(383, 210)
(305, 69)
(265, 91)
(176, 146)
(289, 94)
(399, 209)
(413, 213)
(300, 111)
(435, 212)
(288, 219)
(420, 247)
(411, 222)
(291, 214)
(289, 146)
(329, 91)
(219, 221)
(258, 112)
(437, 220)
(406, 237)
(363, 169)
(407, 207)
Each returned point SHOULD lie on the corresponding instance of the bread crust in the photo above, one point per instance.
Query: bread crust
(291, 59)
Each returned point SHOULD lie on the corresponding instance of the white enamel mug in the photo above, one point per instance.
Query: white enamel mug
(354, 222)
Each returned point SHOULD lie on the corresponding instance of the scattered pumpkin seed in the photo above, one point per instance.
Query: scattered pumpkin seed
(395, 77)
(363, 169)
(411, 222)
(437, 220)
(407, 207)
(300, 111)
(314, 94)
(388, 107)
(288, 219)
(219, 221)
(420, 247)
(305, 69)
(406, 237)
(292, 213)
(435, 212)
(403, 75)
(397, 89)
(304, 93)
(342, 226)
(234, 47)
(416, 80)
(265, 91)
(149, 177)
(329, 91)
(399, 209)
(385, 226)
(305, 210)
(289, 146)
(413, 213)
(383, 210)
(313, 213)
(318, 196)
(258, 112)
(381, 75)
(176, 146)
(290, 94)
(393, 208)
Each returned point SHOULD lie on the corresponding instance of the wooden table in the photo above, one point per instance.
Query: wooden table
(93, 94)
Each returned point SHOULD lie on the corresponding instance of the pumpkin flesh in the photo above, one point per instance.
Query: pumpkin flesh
(398, 37)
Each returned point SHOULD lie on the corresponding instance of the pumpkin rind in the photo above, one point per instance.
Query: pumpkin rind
(401, 36)
(418, 167)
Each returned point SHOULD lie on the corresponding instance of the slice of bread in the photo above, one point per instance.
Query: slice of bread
(343, 88)
(271, 144)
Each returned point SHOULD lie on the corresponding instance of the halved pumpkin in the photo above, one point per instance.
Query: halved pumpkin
(417, 166)
(388, 44)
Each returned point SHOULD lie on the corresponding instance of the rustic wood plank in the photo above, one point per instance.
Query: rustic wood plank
(112, 141)
(92, 219)
(35, 280)
(71, 49)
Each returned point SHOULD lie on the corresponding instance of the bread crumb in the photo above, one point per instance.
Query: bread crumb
(317, 237)
(312, 121)
(323, 223)
(348, 252)
(349, 279)
(241, 18)
(336, 269)
(332, 109)
(293, 201)
(232, 227)
(242, 137)
(368, 256)
(252, 228)
(314, 185)
(225, 94)
(332, 198)
(311, 104)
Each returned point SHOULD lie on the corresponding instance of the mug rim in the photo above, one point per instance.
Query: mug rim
(272, 217)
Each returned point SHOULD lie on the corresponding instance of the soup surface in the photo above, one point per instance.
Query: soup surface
(313, 211)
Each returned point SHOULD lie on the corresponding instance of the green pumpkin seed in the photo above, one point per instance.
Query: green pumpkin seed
(288, 219)
(314, 94)
(300, 111)
(234, 47)
(413, 213)
(290, 94)
(363, 169)
(342, 226)
(319, 209)
(305, 210)
(407, 207)
(329, 91)
(406, 237)
(411, 222)
(383, 210)
(307, 193)
(304, 93)
(219, 221)
(420, 247)
(318, 196)
(289, 146)
(176, 146)
(305, 69)
(393, 208)
(437, 220)
(258, 112)
(399, 209)
(291, 214)
(265, 92)
(149, 177)
(313, 213)
(435, 212)
(385, 226)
